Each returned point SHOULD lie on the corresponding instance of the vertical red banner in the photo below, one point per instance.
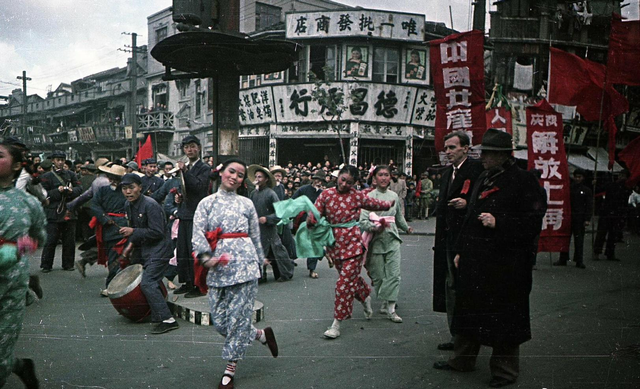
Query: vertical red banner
(500, 119)
(457, 66)
(546, 153)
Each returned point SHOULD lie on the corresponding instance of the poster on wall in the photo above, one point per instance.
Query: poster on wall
(357, 62)
(415, 65)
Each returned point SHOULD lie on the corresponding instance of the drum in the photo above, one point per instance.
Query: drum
(126, 295)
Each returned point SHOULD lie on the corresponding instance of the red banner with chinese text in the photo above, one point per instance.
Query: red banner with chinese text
(457, 66)
(546, 153)
(500, 119)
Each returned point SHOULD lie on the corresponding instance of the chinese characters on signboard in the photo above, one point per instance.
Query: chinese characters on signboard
(256, 106)
(457, 64)
(546, 153)
(353, 23)
(500, 119)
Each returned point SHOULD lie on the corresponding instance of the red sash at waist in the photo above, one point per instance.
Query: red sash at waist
(6, 241)
(200, 272)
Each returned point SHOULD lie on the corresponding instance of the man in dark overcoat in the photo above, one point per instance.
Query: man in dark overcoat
(196, 179)
(494, 264)
(455, 192)
(61, 186)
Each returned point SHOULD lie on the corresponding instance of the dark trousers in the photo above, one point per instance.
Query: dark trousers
(112, 260)
(154, 270)
(184, 248)
(504, 362)
(607, 229)
(84, 217)
(577, 230)
(56, 231)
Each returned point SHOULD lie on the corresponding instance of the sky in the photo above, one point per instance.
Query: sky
(59, 41)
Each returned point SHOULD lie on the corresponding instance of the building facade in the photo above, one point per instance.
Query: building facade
(361, 85)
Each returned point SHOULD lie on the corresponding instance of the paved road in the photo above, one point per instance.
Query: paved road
(579, 319)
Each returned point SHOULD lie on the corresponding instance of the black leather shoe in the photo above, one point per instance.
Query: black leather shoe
(45, 270)
(559, 263)
(613, 259)
(34, 284)
(580, 265)
(183, 289)
(227, 386)
(445, 346)
(163, 327)
(27, 374)
(499, 382)
(193, 293)
(443, 365)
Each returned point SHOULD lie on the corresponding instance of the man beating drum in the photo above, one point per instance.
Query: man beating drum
(146, 232)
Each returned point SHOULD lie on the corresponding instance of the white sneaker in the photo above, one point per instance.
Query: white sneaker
(393, 316)
(332, 333)
(104, 293)
(383, 309)
(368, 311)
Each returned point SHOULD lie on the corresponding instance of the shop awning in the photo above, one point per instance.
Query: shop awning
(603, 160)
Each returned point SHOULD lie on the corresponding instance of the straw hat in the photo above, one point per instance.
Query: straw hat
(101, 162)
(114, 170)
(277, 168)
(251, 174)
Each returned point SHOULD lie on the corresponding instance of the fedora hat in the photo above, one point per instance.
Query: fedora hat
(251, 174)
(114, 170)
(495, 140)
(278, 168)
(319, 175)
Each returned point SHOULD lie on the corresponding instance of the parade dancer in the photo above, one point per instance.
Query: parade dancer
(226, 241)
(22, 223)
(341, 206)
(383, 243)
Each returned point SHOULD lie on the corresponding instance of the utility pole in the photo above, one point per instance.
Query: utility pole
(24, 79)
(134, 91)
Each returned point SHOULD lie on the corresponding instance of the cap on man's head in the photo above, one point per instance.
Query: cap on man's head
(131, 178)
(149, 161)
(46, 164)
(190, 139)
(579, 172)
(90, 167)
(12, 140)
(132, 165)
(58, 154)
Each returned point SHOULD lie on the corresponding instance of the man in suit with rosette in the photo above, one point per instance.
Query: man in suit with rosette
(455, 192)
(493, 260)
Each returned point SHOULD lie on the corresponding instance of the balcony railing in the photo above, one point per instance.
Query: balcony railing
(510, 27)
(161, 120)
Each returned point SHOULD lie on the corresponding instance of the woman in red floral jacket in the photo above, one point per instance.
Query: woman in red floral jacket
(341, 206)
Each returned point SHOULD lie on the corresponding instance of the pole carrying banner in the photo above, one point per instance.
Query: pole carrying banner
(546, 153)
(457, 66)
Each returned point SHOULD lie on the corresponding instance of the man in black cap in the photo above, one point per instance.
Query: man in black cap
(493, 259)
(581, 208)
(146, 231)
(61, 186)
(196, 179)
(150, 182)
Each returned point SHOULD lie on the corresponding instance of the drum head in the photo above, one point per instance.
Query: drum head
(125, 281)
